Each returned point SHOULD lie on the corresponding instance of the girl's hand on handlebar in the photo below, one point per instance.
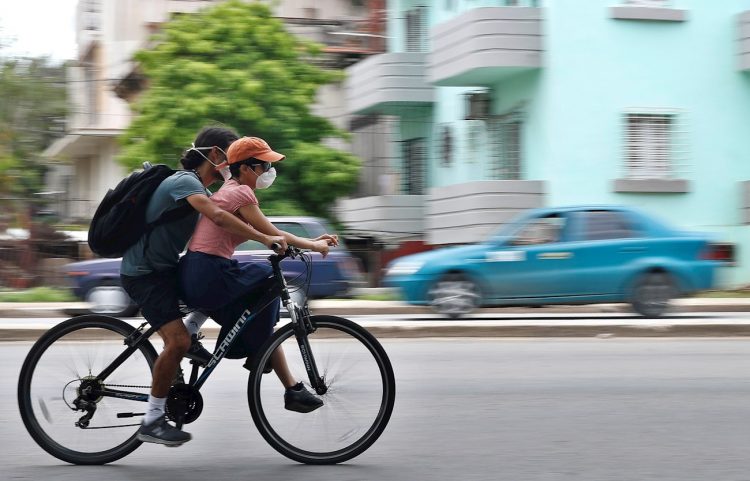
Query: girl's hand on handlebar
(276, 243)
(331, 239)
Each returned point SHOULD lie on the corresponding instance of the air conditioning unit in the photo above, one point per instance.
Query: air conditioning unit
(478, 105)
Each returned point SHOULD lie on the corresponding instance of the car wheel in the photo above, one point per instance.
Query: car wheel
(455, 295)
(652, 294)
(110, 299)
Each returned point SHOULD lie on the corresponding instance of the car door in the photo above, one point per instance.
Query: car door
(535, 262)
(607, 242)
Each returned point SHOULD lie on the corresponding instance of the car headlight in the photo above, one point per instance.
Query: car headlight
(405, 268)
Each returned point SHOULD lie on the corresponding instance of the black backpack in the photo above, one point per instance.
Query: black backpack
(120, 219)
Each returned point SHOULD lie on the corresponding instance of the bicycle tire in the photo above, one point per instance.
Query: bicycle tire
(357, 344)
(30, 418)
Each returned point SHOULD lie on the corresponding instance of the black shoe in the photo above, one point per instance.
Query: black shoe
(197, 352)
(249, 365)
(299, 399)
(161, 432)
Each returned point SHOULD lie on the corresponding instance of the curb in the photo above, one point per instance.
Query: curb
(387, 308)
(499, 331)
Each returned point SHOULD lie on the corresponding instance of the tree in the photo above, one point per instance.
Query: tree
(32, 115)
(235, 64)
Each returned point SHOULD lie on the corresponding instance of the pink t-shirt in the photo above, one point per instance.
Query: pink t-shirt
(212, 239)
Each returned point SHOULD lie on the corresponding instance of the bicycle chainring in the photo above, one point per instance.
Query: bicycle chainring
(186, 400)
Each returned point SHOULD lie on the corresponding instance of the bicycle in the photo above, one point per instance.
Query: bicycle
(77, 389)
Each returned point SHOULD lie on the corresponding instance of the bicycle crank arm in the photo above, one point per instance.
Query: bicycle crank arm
(129, 415)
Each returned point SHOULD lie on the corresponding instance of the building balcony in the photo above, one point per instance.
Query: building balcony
(471, 212)
(396, 217)
(743, 59)
(388, 83)
(483, 45)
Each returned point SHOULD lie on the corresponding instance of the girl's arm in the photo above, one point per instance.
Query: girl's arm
(255, 217)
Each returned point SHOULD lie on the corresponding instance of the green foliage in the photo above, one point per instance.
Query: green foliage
(236, 65)
(38, 294)
(32, 113)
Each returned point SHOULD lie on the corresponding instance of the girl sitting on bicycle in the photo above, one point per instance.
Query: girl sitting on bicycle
(214, 283)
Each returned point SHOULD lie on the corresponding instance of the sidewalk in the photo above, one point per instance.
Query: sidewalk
(404, 321)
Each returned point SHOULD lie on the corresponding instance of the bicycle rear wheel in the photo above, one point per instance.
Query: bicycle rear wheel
(357, 405)
(65, 361)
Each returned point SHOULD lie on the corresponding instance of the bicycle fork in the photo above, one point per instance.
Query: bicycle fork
(300, 317)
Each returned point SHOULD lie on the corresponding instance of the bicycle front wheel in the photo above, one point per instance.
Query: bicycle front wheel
(61, 366)
(360, 394)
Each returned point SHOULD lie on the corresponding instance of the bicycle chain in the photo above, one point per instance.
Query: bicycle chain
(126, 385)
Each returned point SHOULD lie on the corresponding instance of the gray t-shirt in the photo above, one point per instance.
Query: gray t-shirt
(167, 240)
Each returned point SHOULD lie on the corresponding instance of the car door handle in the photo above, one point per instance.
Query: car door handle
(628, 250)
(554, 255)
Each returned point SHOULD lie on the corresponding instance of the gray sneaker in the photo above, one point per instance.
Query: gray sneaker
(161, 432)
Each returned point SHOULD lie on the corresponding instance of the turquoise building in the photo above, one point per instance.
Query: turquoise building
(486, 108)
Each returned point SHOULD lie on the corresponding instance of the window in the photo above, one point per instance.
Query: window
(415, 30)
(545, 230)
(505, 147)
(414, 160)
(475, 138)
(292, 228)
(649, 142)
(603, 224)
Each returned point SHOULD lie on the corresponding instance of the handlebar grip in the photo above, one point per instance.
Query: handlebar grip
(275, 246)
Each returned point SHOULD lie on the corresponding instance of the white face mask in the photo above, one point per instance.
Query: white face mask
(265, 179)
(222, 168)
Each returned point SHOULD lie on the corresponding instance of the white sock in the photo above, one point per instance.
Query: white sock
(155, 409)
(194, 321)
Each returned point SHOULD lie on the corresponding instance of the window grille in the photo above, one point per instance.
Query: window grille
(653, 146)
(505, 147)
(415, 30)
(414, 166)
(445, 144)
(475, 131)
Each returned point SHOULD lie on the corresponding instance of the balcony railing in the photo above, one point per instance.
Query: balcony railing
(483, 44)
(388, 82)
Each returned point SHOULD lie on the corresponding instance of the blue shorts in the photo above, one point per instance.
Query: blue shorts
(223, 289)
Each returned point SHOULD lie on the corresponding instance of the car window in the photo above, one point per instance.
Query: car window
(308, 230)
(544, 230)
(293, 228)
(604, 224)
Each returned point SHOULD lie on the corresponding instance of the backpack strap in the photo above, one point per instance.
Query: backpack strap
(166, 218)
(171, 216)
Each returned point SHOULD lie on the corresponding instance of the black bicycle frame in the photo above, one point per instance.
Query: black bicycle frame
(276, 290)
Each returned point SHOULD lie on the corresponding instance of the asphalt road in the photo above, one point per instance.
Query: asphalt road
(480, 409)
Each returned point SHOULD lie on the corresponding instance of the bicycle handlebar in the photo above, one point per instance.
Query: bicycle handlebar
(290, 251)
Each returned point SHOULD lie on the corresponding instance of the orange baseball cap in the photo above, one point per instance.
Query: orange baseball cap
(252, 147)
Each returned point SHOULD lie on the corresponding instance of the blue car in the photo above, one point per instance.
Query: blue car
(575, 255)
(98, 281)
